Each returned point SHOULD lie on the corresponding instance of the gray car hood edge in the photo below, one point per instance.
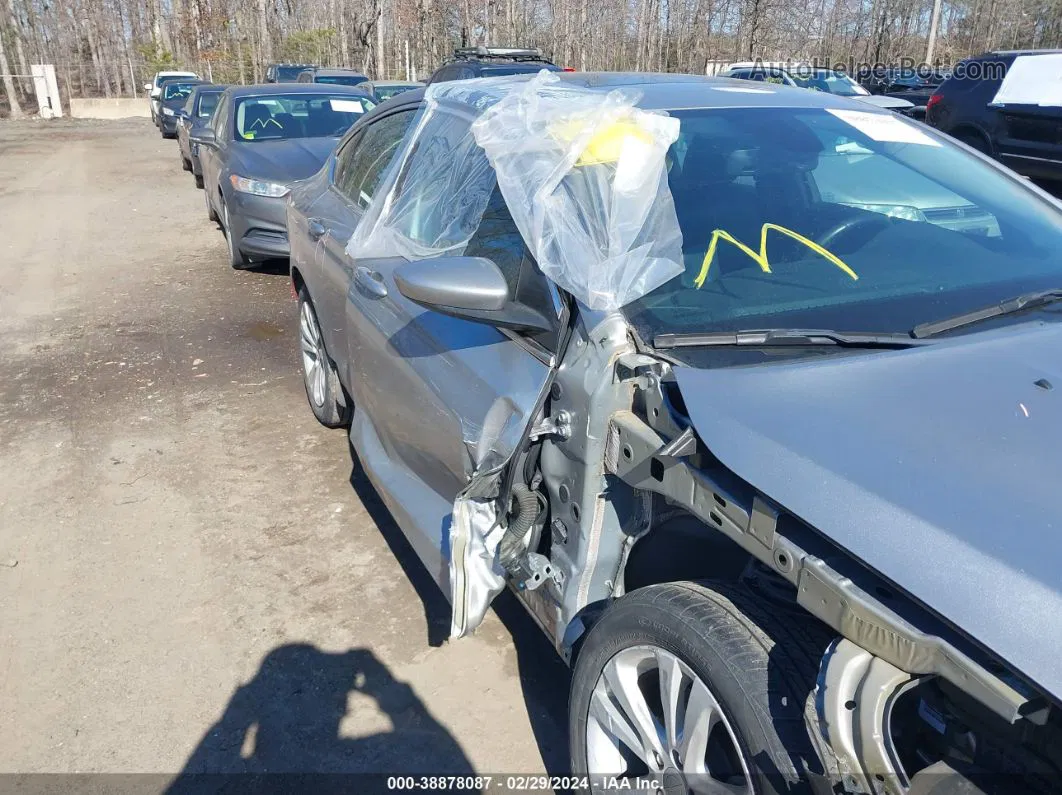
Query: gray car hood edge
(939, 467)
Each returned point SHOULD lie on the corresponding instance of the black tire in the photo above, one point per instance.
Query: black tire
(237, 259)
(212, 215)
(199, 181)
(974, 141)
(759, 661)
(334, 408)
(186, 164)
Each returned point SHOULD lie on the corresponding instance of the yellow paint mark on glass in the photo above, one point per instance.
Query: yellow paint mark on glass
(760, 257)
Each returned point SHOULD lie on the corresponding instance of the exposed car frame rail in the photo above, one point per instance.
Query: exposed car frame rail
(646, 459)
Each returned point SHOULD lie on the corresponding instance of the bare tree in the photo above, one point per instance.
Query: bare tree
(9, 83)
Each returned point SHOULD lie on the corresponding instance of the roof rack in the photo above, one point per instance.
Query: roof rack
(509, 53)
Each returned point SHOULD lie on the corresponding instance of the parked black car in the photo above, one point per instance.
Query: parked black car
(191, 120)
(472, 62)
(261, 139)
(286, 72)
(334, 76)
(1025, 136)
(173, 98)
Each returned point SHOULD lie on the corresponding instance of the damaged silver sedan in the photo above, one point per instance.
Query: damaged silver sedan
(764, 440)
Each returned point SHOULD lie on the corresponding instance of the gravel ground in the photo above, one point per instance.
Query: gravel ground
(193, 574)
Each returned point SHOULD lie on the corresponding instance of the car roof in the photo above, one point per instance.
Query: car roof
(1018, 52)
(179, 77)
(661, 91)
(270, 89)
(676, 91)
(386, 83)
(336, 70)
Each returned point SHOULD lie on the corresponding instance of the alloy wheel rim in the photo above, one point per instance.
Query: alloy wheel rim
(652, 719)
(312, 347)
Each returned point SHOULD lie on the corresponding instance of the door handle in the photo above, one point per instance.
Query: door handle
(316, 229)
(370, 281)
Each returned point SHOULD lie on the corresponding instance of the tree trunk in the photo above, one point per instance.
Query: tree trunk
(9, 84)
(265, 43)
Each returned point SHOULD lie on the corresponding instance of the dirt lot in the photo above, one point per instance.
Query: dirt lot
(193, 574)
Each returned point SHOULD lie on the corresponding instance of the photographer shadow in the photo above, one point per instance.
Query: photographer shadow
(283, 730)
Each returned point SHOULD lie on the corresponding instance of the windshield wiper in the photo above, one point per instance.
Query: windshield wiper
(787, 336)
(1009, 307)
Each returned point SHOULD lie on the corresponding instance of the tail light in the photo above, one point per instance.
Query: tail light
(934, 99)
(568, 69)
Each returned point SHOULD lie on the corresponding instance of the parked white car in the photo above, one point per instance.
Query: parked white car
(815, 78)
(154, 89)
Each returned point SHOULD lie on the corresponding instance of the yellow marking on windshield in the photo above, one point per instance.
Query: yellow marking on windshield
(760, 257)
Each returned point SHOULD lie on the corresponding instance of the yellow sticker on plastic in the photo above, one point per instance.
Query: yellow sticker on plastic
(760, 257)
(249, 135)
(607, 144)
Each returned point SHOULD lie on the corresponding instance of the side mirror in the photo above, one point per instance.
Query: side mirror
(472, 288)
(204, 137)
(147, 87)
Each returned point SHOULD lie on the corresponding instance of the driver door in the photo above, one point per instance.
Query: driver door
(437, 397)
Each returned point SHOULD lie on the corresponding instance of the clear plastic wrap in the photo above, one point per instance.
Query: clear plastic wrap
(584, 175)
(582, 171)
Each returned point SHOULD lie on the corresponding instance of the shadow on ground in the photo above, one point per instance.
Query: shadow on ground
(544, 678)
(282, 730)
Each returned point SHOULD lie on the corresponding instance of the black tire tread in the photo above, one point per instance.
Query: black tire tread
(333, 414)
(801, 639)
(751, 636)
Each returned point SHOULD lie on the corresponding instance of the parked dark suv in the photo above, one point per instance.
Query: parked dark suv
(332, 76)
(472, 62)
(286, 72)
(1027, 137)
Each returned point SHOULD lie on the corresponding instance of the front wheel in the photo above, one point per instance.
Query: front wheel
(211, 212)
(324, 392)
(698, 688)
(237, 259)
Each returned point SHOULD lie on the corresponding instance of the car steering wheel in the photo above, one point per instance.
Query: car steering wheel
(848, 225)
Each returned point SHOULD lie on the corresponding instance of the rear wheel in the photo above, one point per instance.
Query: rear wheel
(974, 141)
(186, 164)
(699, 688)
(199, 180)
(324, 393)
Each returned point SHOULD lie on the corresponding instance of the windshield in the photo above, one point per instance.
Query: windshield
(842, 219)
(172, 91)
(284, 116)
(208, 101)
(831, 82)
(341, 80)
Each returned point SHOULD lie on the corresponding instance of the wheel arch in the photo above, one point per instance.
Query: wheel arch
(968, 129)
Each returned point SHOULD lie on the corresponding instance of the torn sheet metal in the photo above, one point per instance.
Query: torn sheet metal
(583, 173)
(476, 574)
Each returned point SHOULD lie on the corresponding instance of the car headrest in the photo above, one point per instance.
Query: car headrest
(255, 113)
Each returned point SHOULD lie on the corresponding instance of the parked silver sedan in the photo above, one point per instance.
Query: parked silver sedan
(772, 462)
